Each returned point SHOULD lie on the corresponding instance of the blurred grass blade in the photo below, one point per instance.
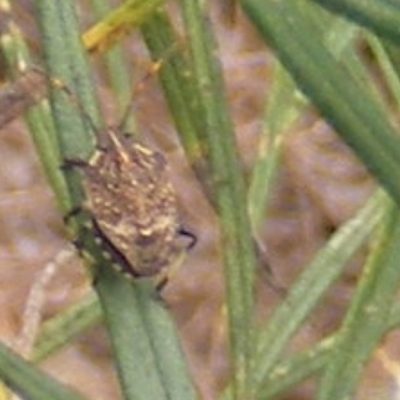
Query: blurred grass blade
(29, 382)
(295, 369)
(381, 16)
(292, 29)
(229, 191)
(304, 295)
(118, 23)
(365, 323)
(390, 67)
(284, 106)
(393, 53)
(21, 92)
(38, 119)
(292, 371)
(117, 68)
(65, 327)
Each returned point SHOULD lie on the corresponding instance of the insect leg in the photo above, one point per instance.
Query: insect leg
(191, 236)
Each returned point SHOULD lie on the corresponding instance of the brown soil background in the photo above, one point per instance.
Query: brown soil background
(320, 185)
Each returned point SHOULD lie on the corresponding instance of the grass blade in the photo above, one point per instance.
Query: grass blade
(365, 323)
(293, 31)
(29, 381)
(130, 310)
(304, 295)
(383, 17)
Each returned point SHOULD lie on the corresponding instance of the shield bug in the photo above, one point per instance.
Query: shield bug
(132, 203)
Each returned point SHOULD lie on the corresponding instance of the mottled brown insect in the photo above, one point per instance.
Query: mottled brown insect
(132, 203)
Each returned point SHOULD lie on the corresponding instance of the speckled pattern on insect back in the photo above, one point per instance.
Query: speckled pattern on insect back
(133, 203)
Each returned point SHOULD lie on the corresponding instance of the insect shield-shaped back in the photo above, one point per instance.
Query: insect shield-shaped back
(133, 203)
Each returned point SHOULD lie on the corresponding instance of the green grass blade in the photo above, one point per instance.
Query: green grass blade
(66, 63)
(290, 28)
(283, 108)
(304, 295)
(64, 328)
(29, 382)
(130, 14)
(117, 69)
(381, 16)
(365, 323)
(150, 365)
(40, 124)
(285, 104)
(180, 93)
(137, 365)
(166, 346)
(296, 369)
(229, 191)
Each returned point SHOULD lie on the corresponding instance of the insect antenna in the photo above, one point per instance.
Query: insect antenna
(152, 71)
(57, 83)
